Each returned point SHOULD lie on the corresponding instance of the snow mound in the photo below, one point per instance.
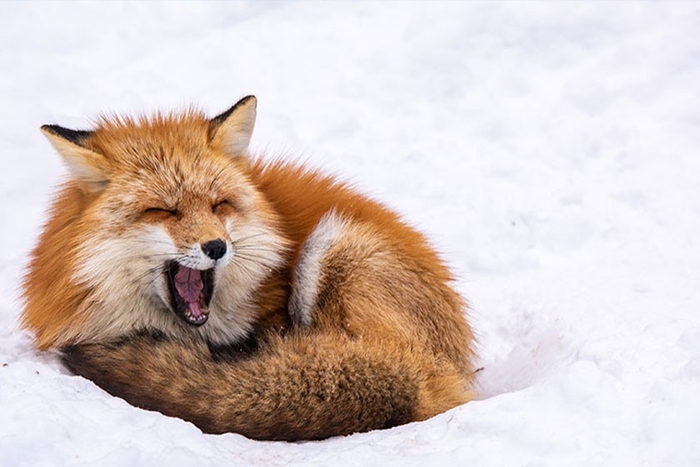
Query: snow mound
(549, 150)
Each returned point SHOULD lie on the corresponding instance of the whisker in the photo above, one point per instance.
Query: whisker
(261, 253)
(242, 266)
(254, 260)
(156, 255)
(248, 253)
(250, 258)
(149, 242)
(149, 256)
(147, 273)
(243, 239)
(255, 248)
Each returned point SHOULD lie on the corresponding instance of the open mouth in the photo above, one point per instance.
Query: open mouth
(190, 292)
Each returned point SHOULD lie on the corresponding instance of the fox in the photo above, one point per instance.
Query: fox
(240, 293)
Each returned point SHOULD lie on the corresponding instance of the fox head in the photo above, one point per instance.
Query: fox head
(159, 227)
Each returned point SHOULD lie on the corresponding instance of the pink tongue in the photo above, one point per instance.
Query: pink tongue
(189, 285)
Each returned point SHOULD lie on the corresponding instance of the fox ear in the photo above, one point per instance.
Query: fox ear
(86, 166)
(231, 131)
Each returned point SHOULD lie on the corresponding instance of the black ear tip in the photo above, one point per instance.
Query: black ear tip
(223, 116)
(245, 100)
(74, 136)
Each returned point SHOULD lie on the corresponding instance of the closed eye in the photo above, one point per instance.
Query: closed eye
(160, 212)
(222, 207)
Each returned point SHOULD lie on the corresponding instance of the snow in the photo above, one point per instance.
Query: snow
(550, 150)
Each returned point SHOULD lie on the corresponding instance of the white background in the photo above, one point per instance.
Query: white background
(550, 151)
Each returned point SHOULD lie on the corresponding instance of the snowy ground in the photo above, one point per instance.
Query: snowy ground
(552, 151)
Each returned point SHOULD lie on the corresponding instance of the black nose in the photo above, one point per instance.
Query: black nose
(214, 249)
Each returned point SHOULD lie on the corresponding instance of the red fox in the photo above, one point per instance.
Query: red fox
(262, 298)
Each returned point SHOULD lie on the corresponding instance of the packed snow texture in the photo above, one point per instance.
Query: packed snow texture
(550, 151)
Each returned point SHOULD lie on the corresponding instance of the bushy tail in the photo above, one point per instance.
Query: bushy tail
(301, 386)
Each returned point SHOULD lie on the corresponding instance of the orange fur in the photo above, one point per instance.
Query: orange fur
(339, 295)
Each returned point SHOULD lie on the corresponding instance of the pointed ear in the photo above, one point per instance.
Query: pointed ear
(231, 131)
(85, 165)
